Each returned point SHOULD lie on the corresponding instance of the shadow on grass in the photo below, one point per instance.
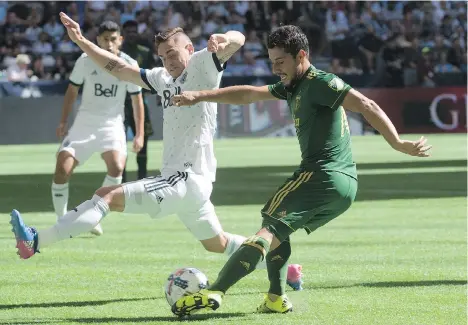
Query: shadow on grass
(73, 303)
(395, 284)
(252, 185)
(155, 319)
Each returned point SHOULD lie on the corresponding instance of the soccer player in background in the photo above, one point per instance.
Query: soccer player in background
(189, 165)
(325, 183)
(144, 57)
(98, 125)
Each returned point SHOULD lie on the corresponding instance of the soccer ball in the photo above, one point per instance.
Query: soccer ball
(183, 282)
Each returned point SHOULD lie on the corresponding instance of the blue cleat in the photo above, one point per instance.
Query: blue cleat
(26, 237)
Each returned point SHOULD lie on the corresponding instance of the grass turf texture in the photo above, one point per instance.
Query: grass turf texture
(398, 256)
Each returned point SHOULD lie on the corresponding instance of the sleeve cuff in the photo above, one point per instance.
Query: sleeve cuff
(218, 64)
(145, 79)
(341, 98)
(134, 93)
(75, 84)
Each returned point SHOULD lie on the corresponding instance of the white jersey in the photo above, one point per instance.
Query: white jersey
(103, 98)
(188, 131)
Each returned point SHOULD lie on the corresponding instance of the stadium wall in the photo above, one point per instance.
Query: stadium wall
(33, 120)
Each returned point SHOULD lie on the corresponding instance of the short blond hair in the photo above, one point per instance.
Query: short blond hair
(23, 58)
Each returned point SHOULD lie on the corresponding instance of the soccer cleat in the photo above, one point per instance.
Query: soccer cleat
(97, 231)
(26, 237)
(281, 305)
(190, 304)
(294, 279)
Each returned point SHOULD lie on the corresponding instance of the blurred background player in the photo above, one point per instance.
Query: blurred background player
(144, 56)
(98, 125)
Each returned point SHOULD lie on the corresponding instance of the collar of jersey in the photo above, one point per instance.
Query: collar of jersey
(297, 82)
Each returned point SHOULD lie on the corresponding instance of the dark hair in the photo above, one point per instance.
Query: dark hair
(165, 35)
(108, 26)
(130, 23)
(290, 38)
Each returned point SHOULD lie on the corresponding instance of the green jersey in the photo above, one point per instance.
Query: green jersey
(321, 123)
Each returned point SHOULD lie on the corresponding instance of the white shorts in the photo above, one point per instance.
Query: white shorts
(186, 195)
(82, 143)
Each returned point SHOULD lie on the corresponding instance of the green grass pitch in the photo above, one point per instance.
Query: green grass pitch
(398, 256)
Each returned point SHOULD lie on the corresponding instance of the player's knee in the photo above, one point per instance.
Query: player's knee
(113, 196)
(215, 245)
(116, 169)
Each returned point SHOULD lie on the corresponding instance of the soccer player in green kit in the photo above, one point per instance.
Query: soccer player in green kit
(324, 185)
(144, 57)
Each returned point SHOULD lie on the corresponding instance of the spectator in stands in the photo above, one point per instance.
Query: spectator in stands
(394, 57)
(456, 52)
(38, 69)
(61, 70)
(337, 29)
(426, 69)
(3, 11)
(19, 72)
(252, 66)
(253, 44)
(443, 66)
(33, 31)
(54, 29)
(42, 46)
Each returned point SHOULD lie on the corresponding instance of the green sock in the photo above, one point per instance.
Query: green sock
(277, 267)
(241, 263)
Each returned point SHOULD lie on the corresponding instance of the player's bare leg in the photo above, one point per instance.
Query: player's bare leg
(115, 162)
(81, 219)
(64, 168)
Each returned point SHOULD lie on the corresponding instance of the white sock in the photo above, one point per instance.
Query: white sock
(77, 221)
(60, 198)
(109, 180)
(233, 244)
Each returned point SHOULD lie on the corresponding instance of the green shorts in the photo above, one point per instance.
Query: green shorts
(308, 200)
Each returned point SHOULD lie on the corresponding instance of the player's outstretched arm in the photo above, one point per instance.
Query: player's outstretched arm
(108, 61)
(225, 45)
(237, 95)
(357, 102)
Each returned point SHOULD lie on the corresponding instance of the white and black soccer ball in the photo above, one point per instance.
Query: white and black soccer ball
(184, 281)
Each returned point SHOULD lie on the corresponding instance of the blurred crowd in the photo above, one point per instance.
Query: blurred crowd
(413, 40)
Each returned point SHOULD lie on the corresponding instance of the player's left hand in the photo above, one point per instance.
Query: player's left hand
(217, 42)
(186, 98)
(137, 143)
(414, 148)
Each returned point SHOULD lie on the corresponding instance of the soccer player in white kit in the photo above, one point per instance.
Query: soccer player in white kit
(189, 165)
(98, 126)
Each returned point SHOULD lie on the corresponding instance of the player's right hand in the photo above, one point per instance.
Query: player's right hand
(187, 98)
(73, 28)
(61, 130)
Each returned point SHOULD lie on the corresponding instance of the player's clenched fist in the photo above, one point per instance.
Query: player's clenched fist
(217, 42)
(73, 28)
(187, 98)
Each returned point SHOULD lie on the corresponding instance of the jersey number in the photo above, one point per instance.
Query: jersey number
(167, 96)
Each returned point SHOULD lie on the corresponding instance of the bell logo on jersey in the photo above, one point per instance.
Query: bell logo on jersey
(99, 91)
